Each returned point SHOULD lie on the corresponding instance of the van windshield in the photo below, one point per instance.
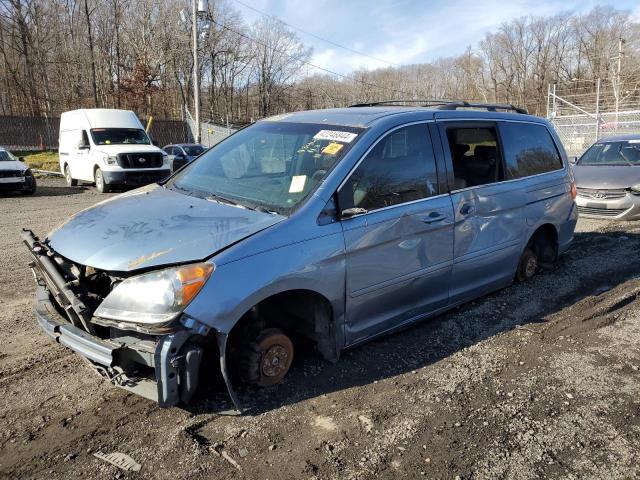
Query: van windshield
(269, 166)
(119, 136)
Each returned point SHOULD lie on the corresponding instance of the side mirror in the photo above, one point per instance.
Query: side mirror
(573, 160)
(21, 159)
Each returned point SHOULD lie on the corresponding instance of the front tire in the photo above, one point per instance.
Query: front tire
(527, 266)
(266, 360)
(67, 176)
(101, 185)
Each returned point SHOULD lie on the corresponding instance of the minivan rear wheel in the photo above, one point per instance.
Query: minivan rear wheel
(527, 266)
(266, 360)
(67, 176)
(101, 185)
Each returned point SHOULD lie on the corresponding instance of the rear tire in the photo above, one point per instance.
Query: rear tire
(101, 185)
(67, 176)
(266, 360)
(527, 266)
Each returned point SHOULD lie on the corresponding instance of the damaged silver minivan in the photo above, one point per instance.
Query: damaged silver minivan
(335, 226)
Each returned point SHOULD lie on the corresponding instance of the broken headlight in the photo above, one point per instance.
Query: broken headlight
(155, 297)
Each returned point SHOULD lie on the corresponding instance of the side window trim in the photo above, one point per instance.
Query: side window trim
(439, 174)
(444, 124)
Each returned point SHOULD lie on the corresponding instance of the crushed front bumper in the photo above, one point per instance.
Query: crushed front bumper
(174, 357)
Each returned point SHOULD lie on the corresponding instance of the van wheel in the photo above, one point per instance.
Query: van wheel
(527, 265)
(266, 360)
(67, 176)
(101, 185)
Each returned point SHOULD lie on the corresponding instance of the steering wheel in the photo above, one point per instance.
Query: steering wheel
(318, 175)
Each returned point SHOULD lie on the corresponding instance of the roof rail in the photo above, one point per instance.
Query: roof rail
(423, 102)
(492, 107)
(441, 104)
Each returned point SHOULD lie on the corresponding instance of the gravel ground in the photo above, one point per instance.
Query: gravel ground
(539, 380)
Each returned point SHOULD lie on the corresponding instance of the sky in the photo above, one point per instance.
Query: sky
(399, 32)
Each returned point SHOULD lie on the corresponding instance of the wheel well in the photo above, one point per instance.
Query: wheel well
(302, 312)
(544, 242)
(95, 167)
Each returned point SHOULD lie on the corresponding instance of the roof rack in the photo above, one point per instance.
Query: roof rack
(448, 105)
(424, 102)
(491, 107)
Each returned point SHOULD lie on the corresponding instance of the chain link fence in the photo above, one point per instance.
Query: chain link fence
(579, 132)
(210, 133)
(21, 134)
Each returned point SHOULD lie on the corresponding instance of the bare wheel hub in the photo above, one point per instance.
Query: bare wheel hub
(275, 361)
(531, 266)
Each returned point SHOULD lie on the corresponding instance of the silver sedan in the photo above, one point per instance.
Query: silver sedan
(608, 179)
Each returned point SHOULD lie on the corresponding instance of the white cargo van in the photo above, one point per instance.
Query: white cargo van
(109, 148)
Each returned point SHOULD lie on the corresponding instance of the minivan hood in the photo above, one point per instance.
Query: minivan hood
(606, 177)
(153, 226)
(12, 165)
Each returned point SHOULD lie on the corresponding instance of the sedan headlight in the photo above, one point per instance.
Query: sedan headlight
(155, 297)
(635, 189)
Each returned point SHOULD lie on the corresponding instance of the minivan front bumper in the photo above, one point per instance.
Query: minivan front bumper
(173, 358)
(176, 362)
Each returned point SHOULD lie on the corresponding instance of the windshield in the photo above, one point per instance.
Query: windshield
(612, 153)
(115, 136)
(7, 156)
(193, 150)
(272, 166)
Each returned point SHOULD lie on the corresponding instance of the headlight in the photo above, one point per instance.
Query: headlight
(635, 189)
(110, 160)
(155, 297)
(165, 159)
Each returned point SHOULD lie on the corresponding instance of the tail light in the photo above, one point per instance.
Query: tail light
(574, 190)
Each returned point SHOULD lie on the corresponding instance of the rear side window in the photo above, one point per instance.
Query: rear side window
(475, 156)
(528, 150)
(401, 168)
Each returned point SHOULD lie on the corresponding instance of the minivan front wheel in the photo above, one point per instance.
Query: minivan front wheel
(266, 360)
(101, 185)
(527, 266)
(67, 176)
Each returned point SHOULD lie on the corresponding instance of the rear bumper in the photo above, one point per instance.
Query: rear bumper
(135, 177)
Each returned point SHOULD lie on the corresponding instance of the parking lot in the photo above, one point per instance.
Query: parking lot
(538, 380)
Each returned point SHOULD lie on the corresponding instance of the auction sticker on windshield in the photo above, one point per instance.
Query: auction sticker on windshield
(332, 148)
(335, 135)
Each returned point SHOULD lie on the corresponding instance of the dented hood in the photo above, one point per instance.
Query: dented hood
(153, 226)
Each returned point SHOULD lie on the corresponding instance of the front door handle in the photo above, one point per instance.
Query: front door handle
(434, 217)
(466, 209)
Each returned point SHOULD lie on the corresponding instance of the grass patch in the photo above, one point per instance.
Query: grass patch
(41, 160)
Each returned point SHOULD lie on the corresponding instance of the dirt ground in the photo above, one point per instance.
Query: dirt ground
(539, 380)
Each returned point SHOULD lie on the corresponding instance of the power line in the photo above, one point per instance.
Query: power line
(309, 63)
(318, 37)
